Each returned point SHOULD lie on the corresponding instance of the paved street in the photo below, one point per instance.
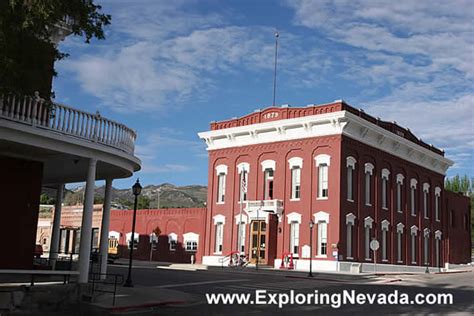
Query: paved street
(190, 288)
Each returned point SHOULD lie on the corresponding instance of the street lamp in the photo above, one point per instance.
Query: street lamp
(136, 189)
(311, 225)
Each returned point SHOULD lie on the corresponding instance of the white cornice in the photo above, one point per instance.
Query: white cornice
(335, 123)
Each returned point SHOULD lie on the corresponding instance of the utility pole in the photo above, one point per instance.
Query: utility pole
(158, 198)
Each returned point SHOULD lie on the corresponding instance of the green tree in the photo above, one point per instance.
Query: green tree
(143, 202)
(45, 199)
(27, 55)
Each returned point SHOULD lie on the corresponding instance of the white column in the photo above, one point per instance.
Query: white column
(104, 228)
(54, 245)
(86, 227)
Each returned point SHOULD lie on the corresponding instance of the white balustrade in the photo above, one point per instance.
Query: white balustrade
(39, 113)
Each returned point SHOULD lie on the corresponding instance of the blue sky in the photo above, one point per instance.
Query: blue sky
(168, 68)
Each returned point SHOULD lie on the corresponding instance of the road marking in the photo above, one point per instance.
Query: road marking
(200, 283)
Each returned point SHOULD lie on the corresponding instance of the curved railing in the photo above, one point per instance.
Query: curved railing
(37, 112)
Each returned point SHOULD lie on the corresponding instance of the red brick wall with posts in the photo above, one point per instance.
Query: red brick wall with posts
(20, 190)
(177, 221)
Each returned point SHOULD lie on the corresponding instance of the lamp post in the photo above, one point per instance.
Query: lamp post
(311, 225)
(136, 189)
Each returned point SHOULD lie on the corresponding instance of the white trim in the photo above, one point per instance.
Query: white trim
(219, 218)
(414, 230)
(221, 169)
(114, 234)
(400, 178)
(294, 217)
(368, 168)
(237, 218)
(438, 234)
(438, 191)
(268, 164)
(413, 183)
(128, 236)
(400, 228)
(172, 237)
(350, 219)
(334, 123)
(426, 187)
(368, 221)
(385, 224)
(351, 162)
(190, 237)
(385, 173)
(243, 166)
(426, 232)
(295, 162)
(321, 217)
(322, 159)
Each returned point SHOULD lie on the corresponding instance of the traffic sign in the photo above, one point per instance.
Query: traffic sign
(374, 245)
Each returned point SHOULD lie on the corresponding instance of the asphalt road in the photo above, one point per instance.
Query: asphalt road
(197, 283)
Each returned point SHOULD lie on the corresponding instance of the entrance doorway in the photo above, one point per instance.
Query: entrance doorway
(258, 242)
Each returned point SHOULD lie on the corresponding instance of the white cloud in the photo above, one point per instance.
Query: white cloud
(412, 59)
(154, 143)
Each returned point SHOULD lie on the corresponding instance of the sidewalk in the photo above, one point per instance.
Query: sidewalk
(250, 269)
(139, 298)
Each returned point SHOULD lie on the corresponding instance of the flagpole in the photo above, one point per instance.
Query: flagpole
(277, 35)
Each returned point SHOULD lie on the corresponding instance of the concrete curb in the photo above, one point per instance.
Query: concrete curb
(127, 308)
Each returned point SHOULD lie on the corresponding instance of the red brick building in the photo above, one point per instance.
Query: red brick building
(169, 235)
(353, 176)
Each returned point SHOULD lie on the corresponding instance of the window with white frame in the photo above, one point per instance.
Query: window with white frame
(368, 221)
(385, 227)
(190, 242)
(350, 220)
(294, 237)
(426, 190)
(400, 228)
(241, 222)
(426, 246)
(268, 182)
(413, 184)
(322, 220)
(295, 163)
(323, 181)
(385, 175)
(219, 237)
(414, 234)
(295, 183)
(221, 188)
(350, 165)
(322, 238)
(268, 167)
(294, 220)
(437, 205)
(369, 168)
(322, 163)
(399, 192)
(135, 240)
(173, 241)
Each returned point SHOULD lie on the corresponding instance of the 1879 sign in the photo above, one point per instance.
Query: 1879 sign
(270, 115)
